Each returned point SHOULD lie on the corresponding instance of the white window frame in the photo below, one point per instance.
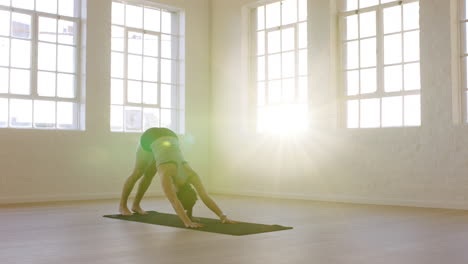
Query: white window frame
(34, 96)
(462, 95)
(177, 95)
(253, 29)
(380, 92)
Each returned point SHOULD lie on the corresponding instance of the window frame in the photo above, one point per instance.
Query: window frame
(178, 109)
(380, 65)
(34, 69)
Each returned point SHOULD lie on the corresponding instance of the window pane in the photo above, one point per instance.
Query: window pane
(351, 4)
(370, 113)
(47, 56)
(289, 65)
(166, 22)
(118, 15)
(352, 55)
(367, 24)
(289, 11)
(261, 94)
(4, 52)
(368, 53)
(413, 110)
(302, 35)
(289, 90)
(117, 63)
(117, 91)
(5, 2)
(412, 77)
(166, 96)
(133, 118)
(303, 58)
(134, 92)
(166, 71)
(353, 114)
(273, 15)
(21, 26)
(167, 119)
(135, 67)
(261, 68)
(367, 3)
(66, 115)
(368, 81)
(47, 29)
(351, 27)
(66, 59)
(166, 46)
(411, 51)
(116, 118)
(4, 23)
(150, 93)
(274, 92)
(393, 78)
(46, 83)
(150, 118)
(287, 39)
(25, 4)
(44, 114)
(392, 19)
(66, 85)
(303, 96)
(260, 18)
(392, 111)
(151, 45)
(117, 41)
(20, 53)
(261, 43)
(392, 49)
(134, 16)
(302, 10)
(152, 19)
(411, 16)
(19, 82)
(274, 43)
(47, 6)
(135, 42)
(150, 69)
(274, 66)
(66, 32)
(4, 80)
(3, 112)
(67, 8)
(20, 113)
(352, 82)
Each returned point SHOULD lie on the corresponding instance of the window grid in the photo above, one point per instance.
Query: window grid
(163, 110)
(29, 108)
(273, 114)
(379, 106)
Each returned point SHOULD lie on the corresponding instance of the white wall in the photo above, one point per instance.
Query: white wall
(425, 166)
(41, 165)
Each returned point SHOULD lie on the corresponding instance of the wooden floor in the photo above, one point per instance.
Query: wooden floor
(324, 233)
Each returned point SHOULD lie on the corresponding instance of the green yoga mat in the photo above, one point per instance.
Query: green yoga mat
(210, 225)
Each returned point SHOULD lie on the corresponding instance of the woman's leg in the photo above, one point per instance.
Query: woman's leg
(143, 187)
(143, 160)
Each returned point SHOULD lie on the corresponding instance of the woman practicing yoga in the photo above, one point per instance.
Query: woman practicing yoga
(158, 151)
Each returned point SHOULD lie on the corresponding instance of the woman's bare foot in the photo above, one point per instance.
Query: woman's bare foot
(124, 211)
(138, 210)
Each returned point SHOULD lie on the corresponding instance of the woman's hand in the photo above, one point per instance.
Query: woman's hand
(193, 225)
(226, 220)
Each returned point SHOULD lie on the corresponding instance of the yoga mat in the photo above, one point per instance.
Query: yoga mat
(210, 225)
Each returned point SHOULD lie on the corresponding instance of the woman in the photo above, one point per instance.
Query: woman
(158, 151)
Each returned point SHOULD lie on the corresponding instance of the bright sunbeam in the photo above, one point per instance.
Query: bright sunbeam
(283, 119)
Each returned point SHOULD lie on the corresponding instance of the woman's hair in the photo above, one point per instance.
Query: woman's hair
(187, 196)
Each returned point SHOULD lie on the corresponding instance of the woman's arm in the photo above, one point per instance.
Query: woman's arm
(210, 203)
(167, 185)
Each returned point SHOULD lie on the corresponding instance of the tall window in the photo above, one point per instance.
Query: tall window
(280, 55)
(145, 83)
(39, 46)
(380, 41)
(464, 54)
